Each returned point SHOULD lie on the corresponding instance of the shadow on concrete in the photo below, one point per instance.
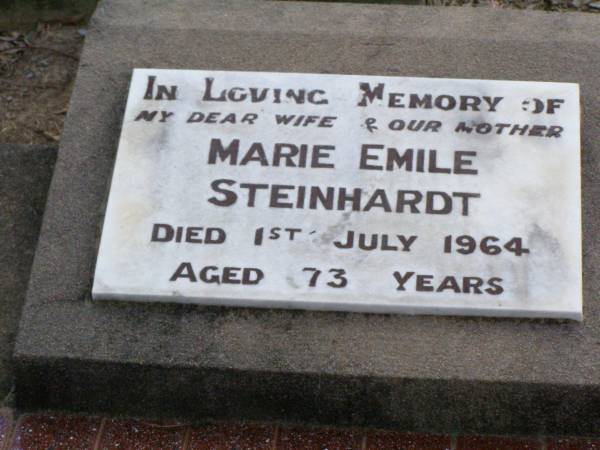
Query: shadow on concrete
(25, 174)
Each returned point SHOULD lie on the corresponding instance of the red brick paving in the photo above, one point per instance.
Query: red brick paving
(5, 426)
(298, 438)
(377, 440)
(574, 444)
(71, 432)
(231, 436)
(496, 443)
(133, 434)
(55, 431)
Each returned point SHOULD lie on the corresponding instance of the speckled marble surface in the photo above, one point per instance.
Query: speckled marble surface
(414, 195)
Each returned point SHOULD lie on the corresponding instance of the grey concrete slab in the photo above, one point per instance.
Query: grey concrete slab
(25, 173)
(418, 373)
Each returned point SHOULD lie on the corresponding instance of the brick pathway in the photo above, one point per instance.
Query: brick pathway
(65, 432)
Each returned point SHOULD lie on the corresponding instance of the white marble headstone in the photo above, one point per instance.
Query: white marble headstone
(346, 192)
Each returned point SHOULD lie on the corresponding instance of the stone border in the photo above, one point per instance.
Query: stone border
(25, 174)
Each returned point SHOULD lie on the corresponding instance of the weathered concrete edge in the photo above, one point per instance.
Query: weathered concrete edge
(372, 20)
(25, 173)
(225, 394)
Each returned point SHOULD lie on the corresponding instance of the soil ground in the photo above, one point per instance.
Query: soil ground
(37, 70)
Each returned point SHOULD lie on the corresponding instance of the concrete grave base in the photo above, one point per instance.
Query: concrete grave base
(405, 372)
(25, 173)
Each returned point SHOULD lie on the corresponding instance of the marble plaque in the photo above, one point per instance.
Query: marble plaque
(346, 192)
